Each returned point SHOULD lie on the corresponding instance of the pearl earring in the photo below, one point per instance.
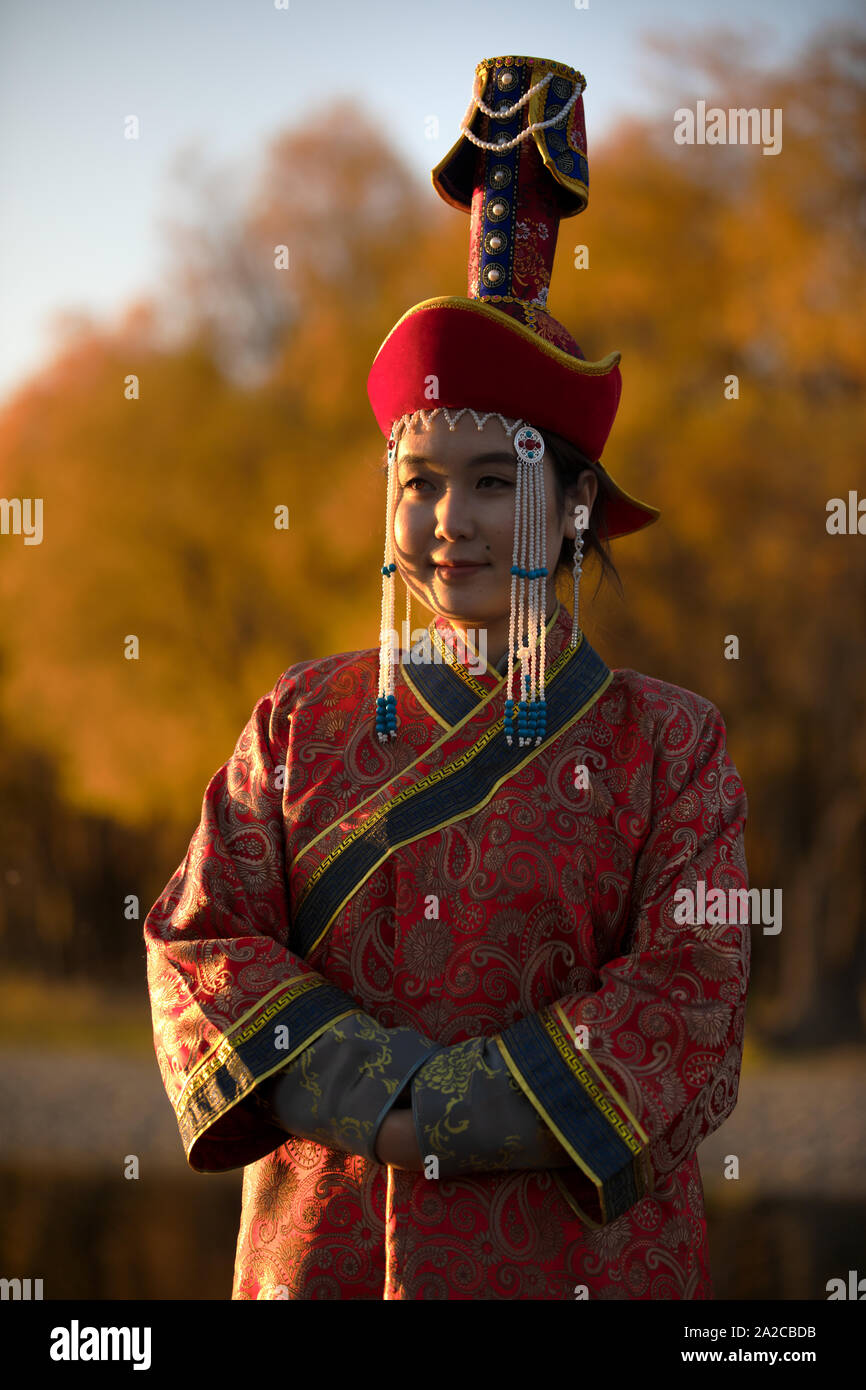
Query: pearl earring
(578, 567)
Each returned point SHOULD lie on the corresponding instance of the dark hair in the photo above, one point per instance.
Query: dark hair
(568, 464)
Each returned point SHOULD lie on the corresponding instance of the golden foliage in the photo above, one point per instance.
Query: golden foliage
(704, 262)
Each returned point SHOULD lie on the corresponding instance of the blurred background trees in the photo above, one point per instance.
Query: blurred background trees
(159, 512)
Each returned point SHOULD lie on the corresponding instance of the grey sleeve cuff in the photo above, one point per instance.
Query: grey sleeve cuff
(340, 1088)
(472, 1116)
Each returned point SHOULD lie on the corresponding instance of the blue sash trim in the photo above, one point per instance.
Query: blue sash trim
(443, 689)
(247, 1054)
(448, 794)
(575, 1113)
(449, 688)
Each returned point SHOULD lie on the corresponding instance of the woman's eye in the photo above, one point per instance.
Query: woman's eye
(488, 478)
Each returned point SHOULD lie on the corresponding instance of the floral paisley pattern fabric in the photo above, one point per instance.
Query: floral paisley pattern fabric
(525, 926)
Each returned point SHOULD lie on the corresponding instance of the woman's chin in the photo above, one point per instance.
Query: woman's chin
(469, 606)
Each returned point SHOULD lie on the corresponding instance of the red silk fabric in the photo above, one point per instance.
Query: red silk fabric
(548, 895)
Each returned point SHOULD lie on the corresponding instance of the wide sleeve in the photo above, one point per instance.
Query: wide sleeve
(631, 1077)
(232, 1004)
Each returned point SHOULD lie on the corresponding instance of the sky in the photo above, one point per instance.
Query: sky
(82, 208)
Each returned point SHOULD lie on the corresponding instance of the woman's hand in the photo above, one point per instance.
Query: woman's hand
(397, 1143)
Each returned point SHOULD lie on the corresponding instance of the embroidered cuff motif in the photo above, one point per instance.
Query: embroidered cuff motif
(471, 1114)
(341, 1087)
(582, 1109)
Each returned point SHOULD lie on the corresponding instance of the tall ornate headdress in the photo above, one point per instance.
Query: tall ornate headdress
(518, 167)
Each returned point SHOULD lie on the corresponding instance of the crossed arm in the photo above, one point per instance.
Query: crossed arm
(398, 1098)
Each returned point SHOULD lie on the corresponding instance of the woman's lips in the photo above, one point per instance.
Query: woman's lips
(452, 573)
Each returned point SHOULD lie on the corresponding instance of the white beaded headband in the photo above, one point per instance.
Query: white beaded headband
(526, 644)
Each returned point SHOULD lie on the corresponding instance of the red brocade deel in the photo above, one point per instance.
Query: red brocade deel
(421, 883)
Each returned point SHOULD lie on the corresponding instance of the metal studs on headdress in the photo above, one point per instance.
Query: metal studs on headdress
(528, 618)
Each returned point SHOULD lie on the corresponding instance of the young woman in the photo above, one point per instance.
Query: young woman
(430, 969)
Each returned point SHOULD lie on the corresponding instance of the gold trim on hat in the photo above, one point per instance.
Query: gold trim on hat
(624, 496)
(451, 301)
(536, 113)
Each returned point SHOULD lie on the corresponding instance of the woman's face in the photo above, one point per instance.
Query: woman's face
(455, 492)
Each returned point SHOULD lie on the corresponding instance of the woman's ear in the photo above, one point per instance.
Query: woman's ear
(581, 494)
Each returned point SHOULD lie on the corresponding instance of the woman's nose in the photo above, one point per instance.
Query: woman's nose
(454, 514)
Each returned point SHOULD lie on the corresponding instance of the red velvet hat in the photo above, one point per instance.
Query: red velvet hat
(518, 167)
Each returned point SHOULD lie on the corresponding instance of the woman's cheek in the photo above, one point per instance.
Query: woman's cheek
(408, 528)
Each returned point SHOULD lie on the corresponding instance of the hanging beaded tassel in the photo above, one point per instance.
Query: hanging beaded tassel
(386, 712)
(529, 578)
(577, 570)
(528, 617)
